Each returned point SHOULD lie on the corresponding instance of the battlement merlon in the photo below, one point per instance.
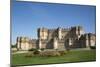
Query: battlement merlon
(57, 38)
(44, 33)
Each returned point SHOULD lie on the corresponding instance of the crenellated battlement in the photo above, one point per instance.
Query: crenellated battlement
(58, 38)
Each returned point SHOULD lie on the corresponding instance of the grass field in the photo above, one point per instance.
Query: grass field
(72, 56)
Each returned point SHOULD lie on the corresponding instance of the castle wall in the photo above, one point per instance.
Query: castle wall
(55, 43)
(64, 34)
(23, 43)
(61, 45)
(44, 43)
(92, 42)
(42, 33)
(24, 46)
(59, 33)
(53, 33)
(60, 38)
(49, 44)
(33, 43)
(92, 39)
(50, 34)
(40, 44)
(18, 43)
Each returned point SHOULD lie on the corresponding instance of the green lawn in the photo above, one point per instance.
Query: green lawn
(72, 56)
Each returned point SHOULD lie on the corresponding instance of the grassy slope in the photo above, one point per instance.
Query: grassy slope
(72, 56)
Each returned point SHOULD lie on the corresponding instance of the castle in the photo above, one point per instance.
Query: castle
(59, 38)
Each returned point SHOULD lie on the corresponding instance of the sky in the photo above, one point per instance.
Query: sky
(26, 17)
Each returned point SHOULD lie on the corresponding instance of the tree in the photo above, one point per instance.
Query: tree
(13, 45)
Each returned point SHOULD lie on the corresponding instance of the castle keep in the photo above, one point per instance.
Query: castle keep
(59, 38)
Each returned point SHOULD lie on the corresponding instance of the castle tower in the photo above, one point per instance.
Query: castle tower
(70, 42)
(59, 33)
(87, 41)
(42, 33)
(92, 41)
(55, 43)
(22, 43)
(27, 43)
(40, 44)
(79, 31)
(18, 43)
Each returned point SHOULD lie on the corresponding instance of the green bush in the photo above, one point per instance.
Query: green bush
(50, 53)
(13, 46)
(36, 52)
(62, 52)
(42, 49)
(68, 49)
(93, 47)
(30, 54)
(32, 49)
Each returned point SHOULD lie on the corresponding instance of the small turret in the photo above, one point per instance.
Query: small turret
(22, 43)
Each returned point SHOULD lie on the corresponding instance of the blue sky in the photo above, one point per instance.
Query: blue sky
(28, 16)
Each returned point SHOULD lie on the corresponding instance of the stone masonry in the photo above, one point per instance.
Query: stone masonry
(60, 38)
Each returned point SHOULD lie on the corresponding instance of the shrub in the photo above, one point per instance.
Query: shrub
(93, 47)
(50, 53)
(29, 54)
(13, 46)
(13, 51)
(68, 49)
(42, 49)
(36, 52)
(32, 49)
(62, 52)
